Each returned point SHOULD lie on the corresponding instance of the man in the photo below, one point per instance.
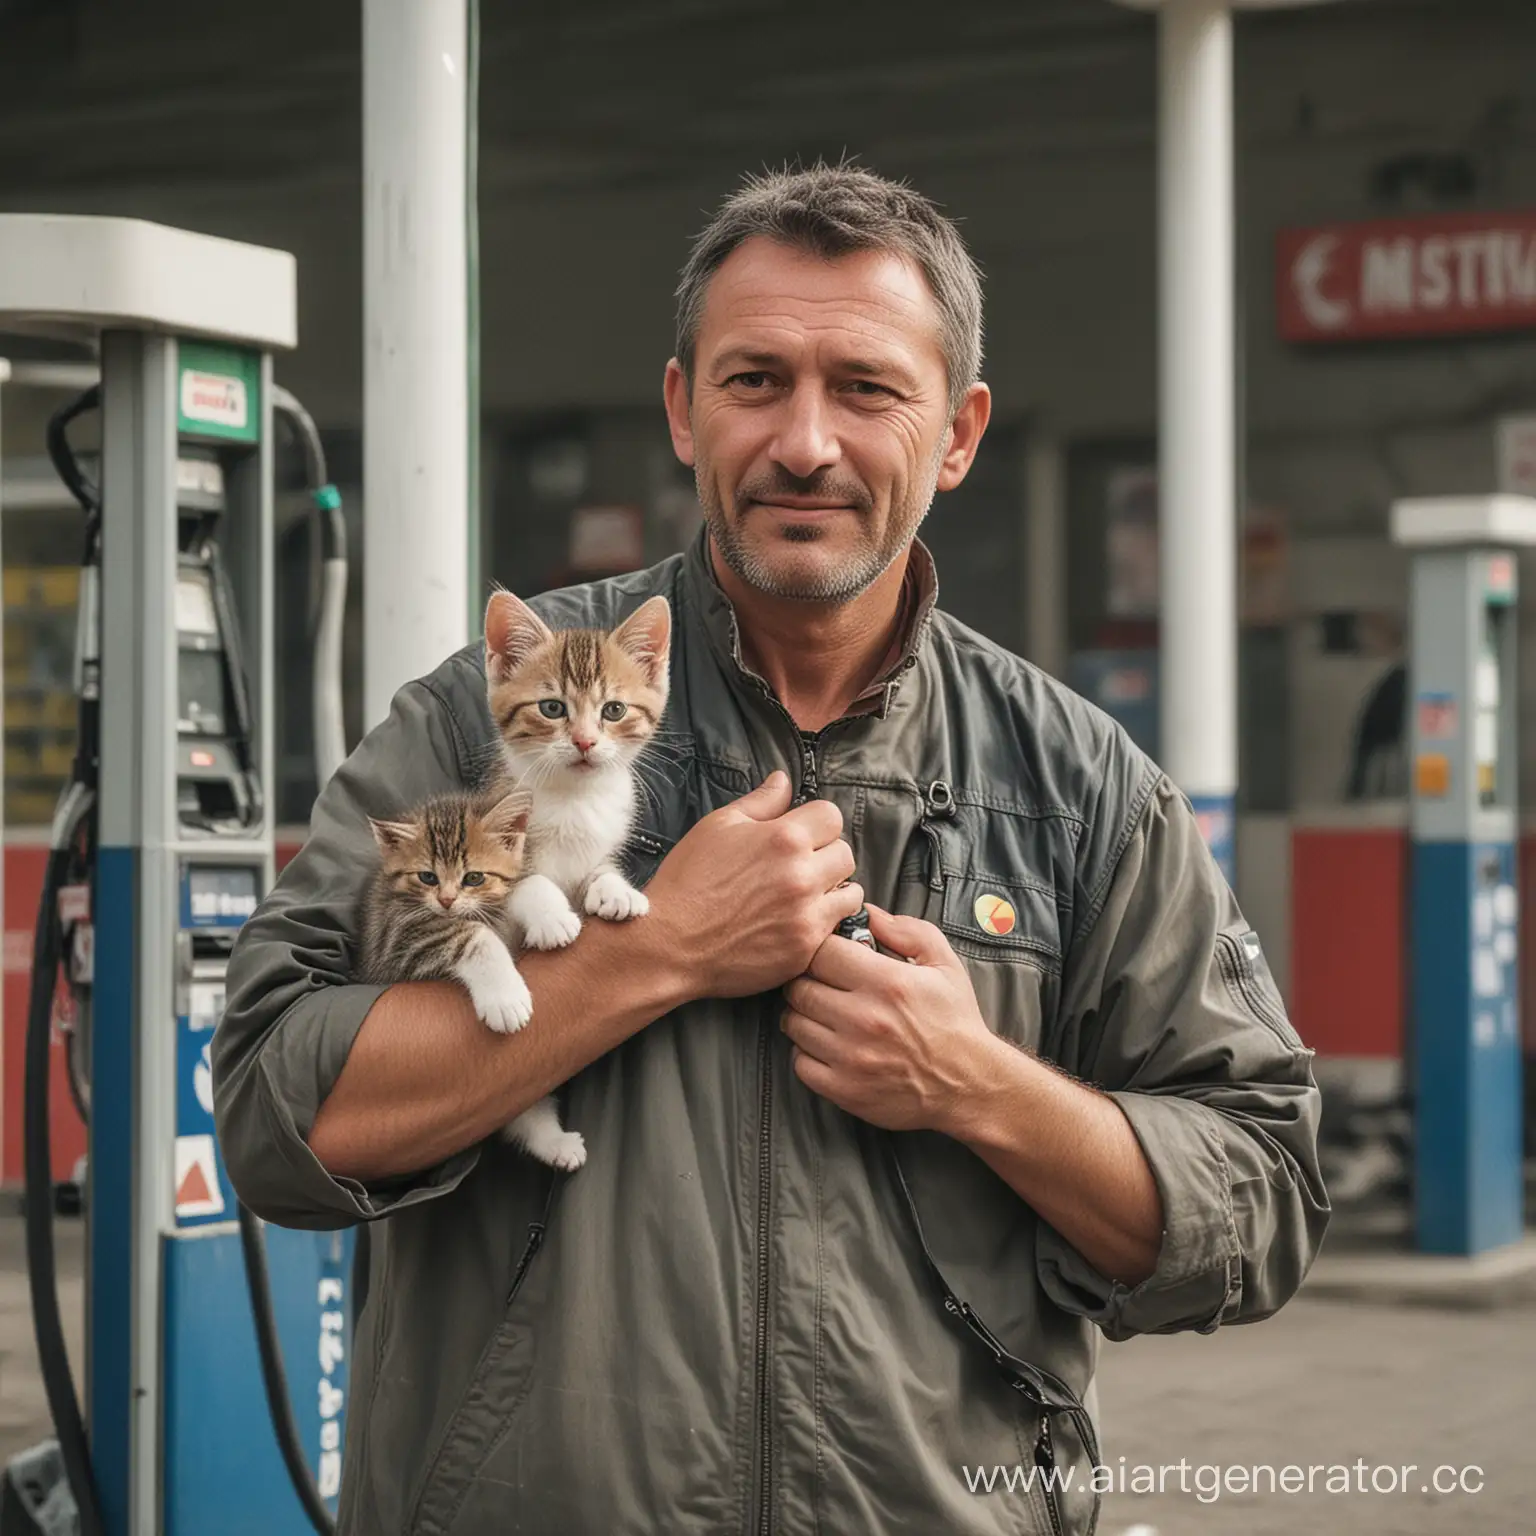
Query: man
(1070, 1053)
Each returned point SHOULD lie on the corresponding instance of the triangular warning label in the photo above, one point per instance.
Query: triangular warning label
(194, 1188)
(198, 1192)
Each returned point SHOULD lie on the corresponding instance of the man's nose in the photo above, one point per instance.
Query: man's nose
(806, 441)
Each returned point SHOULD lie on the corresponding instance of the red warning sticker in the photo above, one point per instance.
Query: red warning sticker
(197, 1177)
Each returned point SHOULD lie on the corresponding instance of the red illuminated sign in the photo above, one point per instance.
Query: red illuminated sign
(1442, 276)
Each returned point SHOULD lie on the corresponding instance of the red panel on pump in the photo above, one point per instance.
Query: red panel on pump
(24, 866)
(1348, 889)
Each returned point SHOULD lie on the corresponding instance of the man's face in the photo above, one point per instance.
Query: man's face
(818, 428)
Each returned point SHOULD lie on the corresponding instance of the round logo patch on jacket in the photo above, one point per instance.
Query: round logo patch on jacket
(994, 915)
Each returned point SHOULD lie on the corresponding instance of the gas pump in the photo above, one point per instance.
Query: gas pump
(161, 848)
(1464, 1058)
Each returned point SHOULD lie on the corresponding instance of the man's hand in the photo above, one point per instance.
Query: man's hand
(748, 896)
(897, 1042)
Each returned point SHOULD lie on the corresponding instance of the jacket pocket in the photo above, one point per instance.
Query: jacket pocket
(497, 1392)
(994, 917)
(972, 873)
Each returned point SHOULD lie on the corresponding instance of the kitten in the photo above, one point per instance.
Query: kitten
(575, 709)
(436, 909)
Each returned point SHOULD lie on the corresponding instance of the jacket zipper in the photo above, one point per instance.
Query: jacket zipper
(938, 805)
(810, 784)
(1045, 1465)
(764, 1236)
(531, 1247)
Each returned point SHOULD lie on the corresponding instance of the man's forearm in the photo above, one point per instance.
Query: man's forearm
(1071, 1154)
(425, 1078)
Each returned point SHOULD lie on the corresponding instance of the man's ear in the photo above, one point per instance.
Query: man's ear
(965, 434)
(679, 402)
(513, 632)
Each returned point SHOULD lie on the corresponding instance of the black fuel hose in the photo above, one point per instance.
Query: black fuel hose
(274, 1378)
(37, 1140)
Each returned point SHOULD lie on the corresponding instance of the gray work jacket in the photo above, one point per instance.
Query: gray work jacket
(729, 1325)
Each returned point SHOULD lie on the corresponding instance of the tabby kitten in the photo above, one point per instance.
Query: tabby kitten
(575, 709)
(436, 909)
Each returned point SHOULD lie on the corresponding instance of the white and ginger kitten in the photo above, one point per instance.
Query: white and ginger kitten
(575, 708)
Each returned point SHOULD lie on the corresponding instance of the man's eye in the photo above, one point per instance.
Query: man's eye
(427, 877)
(474, 877)
(868, 387)
(750, 380)
(552, 709)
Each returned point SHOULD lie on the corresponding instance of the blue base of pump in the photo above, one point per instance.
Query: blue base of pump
(222, 1468)
(1465, 1048)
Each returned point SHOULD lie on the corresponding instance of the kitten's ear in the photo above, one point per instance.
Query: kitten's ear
(391, 836)
(645, 636)
(507, 820)
(513, 632)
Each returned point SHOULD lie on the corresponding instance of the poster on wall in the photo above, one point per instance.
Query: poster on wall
(607, 540)
(1516, 442)
(1264, 594)
(1131, 554)
(1130, 544)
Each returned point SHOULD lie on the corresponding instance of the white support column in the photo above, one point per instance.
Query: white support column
(416, 513)
(1197, 420)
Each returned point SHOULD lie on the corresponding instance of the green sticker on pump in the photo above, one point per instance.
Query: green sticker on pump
(218, 392)
(1499, 580)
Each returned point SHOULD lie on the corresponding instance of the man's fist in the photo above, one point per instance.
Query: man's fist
(749, 895)
(899, 1042)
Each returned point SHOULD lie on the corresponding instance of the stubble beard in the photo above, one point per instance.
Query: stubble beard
(860, 569)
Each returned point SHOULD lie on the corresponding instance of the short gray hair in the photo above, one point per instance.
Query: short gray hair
(831, 211)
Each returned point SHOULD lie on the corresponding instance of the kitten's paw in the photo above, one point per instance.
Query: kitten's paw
(567, 1152)
(507, 1013)
(539, 908)
(544, 1140)
(612, 898)
(500, 995)
(552, 929)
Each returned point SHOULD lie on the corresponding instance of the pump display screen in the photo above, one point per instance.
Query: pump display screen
(194, 605)
(200, 680)
(219, 898)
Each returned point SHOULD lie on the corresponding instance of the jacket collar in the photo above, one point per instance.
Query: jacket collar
(920, 595)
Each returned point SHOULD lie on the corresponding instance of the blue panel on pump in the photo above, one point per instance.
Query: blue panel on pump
(1466, 1047)
(223, 1470)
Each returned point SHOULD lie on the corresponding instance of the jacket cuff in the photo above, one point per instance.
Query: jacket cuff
(299, 1064)
(1199, 1265)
